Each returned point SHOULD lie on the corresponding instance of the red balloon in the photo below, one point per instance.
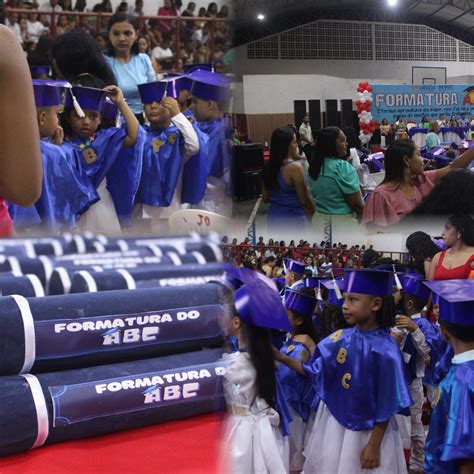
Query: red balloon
(370, 88)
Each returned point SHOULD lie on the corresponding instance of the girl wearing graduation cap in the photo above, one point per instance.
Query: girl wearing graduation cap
(175, 155)
(97, 150)
(299, 305)
(450, 443)
(254, 441)
(358, 375)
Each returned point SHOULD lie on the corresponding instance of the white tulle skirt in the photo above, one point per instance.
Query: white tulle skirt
(296, 441)
(333, 449)
(254, 445)
(101, 217)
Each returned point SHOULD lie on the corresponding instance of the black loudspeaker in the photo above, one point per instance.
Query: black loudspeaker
(347, 117)
(332, 116)
(314, 114)
(299, 111)
(247, 171)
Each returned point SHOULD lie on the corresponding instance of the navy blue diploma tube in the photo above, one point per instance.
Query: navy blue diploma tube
(85, 329)
(26, 285)
(145, 277)
(52, 407)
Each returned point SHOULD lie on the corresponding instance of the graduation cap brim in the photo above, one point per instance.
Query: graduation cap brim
(210, 85)
(299, 302)
(89, 98)
(48, 93)
(414, 285)
(369, 282)
(294, 266)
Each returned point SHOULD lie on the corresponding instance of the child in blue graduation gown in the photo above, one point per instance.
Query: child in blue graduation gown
(97, 150)
(299, 305)
(419, 347)
(175, 155)
(358, 375)
(254, 438)
(210, 94)
(66, 191)
(450, 442)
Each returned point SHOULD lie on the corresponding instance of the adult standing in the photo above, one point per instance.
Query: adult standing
(284, 185)
(334, 182)
(20, 179)
(457, 261)
(168, 9)
(129, 66)
(422, 250)
(306, 136)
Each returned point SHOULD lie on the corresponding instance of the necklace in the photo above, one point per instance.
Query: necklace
(87, 143)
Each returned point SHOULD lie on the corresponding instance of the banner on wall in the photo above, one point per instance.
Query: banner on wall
(415, 101)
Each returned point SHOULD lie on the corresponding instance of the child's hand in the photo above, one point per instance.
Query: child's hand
(306, 340)
(58, 136)
(115, 94)
(404, 322)
(370, 456)
(276, 354)
(427, 360)
(171, 105)
(397, 335)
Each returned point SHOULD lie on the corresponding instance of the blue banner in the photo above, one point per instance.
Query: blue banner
(89, 335)
(90, 400)
(412, 102)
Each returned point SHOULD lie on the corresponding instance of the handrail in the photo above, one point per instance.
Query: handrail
(141, 20)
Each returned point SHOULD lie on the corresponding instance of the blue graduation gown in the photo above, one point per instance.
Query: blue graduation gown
(359, 375)
(163, 161)
(296, 389)
(451, 435)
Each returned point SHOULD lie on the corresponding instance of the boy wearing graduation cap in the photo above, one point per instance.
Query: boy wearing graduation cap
(450, 442)
(175, 156)
(210, 97)
(358, 375)
(183, 87)
(66, 191)
(294, 271)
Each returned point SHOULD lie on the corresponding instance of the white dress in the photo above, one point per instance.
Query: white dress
(334, 449)
(253, 439)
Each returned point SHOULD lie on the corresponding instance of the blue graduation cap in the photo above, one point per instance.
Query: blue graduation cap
(48, 93)
(455, 299)
(259, 305)
(299, 302)
(156, 91)
(333, 294)
(235, 277)
(110, 110)
(40, 70)
(88, 98)
(414, 285)
(314, 282)
(210, 85)
(294, 266)
(189, 68)
(368, 282)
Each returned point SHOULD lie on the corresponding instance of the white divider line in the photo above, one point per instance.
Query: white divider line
(29, 331)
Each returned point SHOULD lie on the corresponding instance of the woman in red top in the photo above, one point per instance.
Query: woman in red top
(20, 159)
(458, 261)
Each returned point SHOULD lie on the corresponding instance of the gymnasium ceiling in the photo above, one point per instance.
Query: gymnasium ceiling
(453, 17)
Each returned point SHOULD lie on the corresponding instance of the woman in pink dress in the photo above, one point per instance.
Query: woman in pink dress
(20, 159)
(405, 183)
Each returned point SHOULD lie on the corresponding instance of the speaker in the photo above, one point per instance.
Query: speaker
(332, 115)
(247, 171)
(314, 114)
(299, 107)
(347, 118)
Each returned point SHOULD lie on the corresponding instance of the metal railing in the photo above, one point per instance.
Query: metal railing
(141, 21)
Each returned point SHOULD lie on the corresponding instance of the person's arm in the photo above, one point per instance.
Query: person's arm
(355, 202)
(296, 175)
(461, 162)
(370, 455)
(433, 265)
(418, 338)
(293, 364)
(21, 166)
(116, 96)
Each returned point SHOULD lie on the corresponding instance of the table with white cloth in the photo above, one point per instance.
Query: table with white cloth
(446, 134)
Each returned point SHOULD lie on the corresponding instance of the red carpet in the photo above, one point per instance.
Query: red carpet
(188, 446)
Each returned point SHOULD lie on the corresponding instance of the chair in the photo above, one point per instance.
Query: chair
(202, 222)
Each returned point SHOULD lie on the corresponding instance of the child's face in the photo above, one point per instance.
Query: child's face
(156, 113)
(358, 308)
(85, 127)
(397, 295)
(48, 121)
(289, 278)
(202, 109)
(295, 321)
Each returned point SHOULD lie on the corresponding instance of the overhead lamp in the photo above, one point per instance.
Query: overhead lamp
(261, 17)
(392, 3)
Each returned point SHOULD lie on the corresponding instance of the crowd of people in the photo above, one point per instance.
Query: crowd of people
(198, 43)
(365, 362)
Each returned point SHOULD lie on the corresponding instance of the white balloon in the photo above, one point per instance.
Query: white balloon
(363, 100)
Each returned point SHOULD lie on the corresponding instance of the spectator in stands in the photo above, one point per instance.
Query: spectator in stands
(80, 6)
(167, 10)
(20, 179)
(77, 53)
(11, 22)
(102, 41)
(104, 7)
(137, 9)
(405, 183)
(63, 25)
(212, 10)
(333, 181)
(162, 53)
(284, 185)
(122, 8)
(190, 9)
(306, 137)
(223, 12)
(432, 138)
(66, 5)
(35, 28)
(129, 66)
(268, 266)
